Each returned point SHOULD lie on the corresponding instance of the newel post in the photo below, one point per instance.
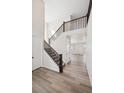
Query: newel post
(60, 64)
(63, 26)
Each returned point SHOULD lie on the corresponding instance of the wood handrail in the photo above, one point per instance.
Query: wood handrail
(89, 10)
(56, 31)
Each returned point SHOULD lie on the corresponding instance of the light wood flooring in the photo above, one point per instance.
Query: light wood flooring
(74, 79)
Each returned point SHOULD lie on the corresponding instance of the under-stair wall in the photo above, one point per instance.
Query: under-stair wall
(49, 62)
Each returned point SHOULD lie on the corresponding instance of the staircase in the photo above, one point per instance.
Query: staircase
(57, 58)
(71, 25)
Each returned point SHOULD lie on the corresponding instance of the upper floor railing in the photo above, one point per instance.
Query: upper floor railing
(74, 24)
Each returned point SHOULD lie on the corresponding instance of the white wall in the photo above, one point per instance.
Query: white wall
(78, 41)
(89, 48)
(37, 33)
(49, 63)
(77, 48)
(55, 9)
(76, 58)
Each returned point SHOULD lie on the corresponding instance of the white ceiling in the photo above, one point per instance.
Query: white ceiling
(55, 9)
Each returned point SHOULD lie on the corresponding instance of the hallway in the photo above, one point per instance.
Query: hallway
(74, 79)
